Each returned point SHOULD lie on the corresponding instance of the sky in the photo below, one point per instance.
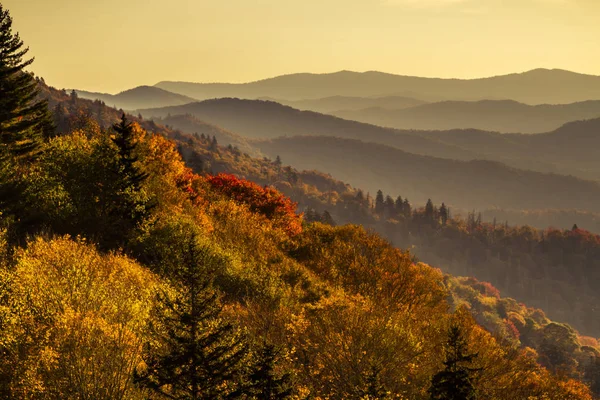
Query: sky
(114, 45)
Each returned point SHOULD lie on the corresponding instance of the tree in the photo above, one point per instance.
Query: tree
(444, 214)
(389, 207)
(326, 218)
(429, 209)
(264, 382)
(454, 381)
(128, 207)
(379, 203)
(406, 208)
(24, 120)
(399, 206)
(199, 356)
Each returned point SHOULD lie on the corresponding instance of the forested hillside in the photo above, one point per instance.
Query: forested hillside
(131, 269)
(568, 150)
(474, 184)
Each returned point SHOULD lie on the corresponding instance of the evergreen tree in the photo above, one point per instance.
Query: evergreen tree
(360, 197)
(24, 120)
(406, 208)
(265, 384)
(389, 207)
(199, 356)
(379, 203)
(214, 144)
(429, 209)
(128, 206)
(454, 381)
(399, 205)
(327, 218)
(443, 214)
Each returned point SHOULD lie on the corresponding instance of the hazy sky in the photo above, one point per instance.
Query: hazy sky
(112, 45)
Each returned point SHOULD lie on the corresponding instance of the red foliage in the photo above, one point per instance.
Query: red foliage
(512, 329)
(264, 200)
(485, 288)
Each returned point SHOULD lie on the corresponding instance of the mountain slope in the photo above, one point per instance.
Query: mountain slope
(267, 119)
(473, 184)
(501, 116)
(139, 97)
(532, 87)
(328, 105)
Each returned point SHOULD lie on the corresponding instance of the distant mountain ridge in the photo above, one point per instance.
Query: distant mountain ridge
(138, 97)
(555, 152)
(475, 184)
(506, 116)
(532, 87)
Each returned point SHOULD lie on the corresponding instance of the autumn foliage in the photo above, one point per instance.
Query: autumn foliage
(264, 200)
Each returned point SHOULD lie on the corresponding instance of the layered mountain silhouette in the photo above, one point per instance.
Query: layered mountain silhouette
(139, 97)
(533, 87)
(333, 104)
(493, 115)
(266, 119)
(467, 184)
(571, 149)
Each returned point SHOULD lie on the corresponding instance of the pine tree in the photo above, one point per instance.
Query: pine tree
(399, 205)
(326, 218)
(24, 120)
(444, 214)
(265, 384)
(128, 206)
(454, 381)
(379, 203)
(429, 210)
(406, 208)
(200, 356)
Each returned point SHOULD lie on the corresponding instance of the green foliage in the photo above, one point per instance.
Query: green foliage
(23, 118)
(196, 354)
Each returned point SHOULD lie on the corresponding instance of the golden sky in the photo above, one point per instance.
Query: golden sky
(112, 45)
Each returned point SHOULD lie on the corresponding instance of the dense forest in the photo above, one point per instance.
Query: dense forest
(124, 274)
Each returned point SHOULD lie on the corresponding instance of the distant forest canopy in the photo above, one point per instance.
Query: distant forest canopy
(474, 184)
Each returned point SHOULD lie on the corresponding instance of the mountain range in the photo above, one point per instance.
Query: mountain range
(537, 86)
(506, 116)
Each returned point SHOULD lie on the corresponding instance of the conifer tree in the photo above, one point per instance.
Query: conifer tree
(444, 213)
(265, 384)
(454, 381)
(24, 120)
(379, 202)
(200, 356)
(429, 209)
(128, 207)
(327, 218)
(399, 205)
(406, 208)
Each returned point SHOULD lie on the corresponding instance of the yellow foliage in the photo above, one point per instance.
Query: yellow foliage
(78, 321)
